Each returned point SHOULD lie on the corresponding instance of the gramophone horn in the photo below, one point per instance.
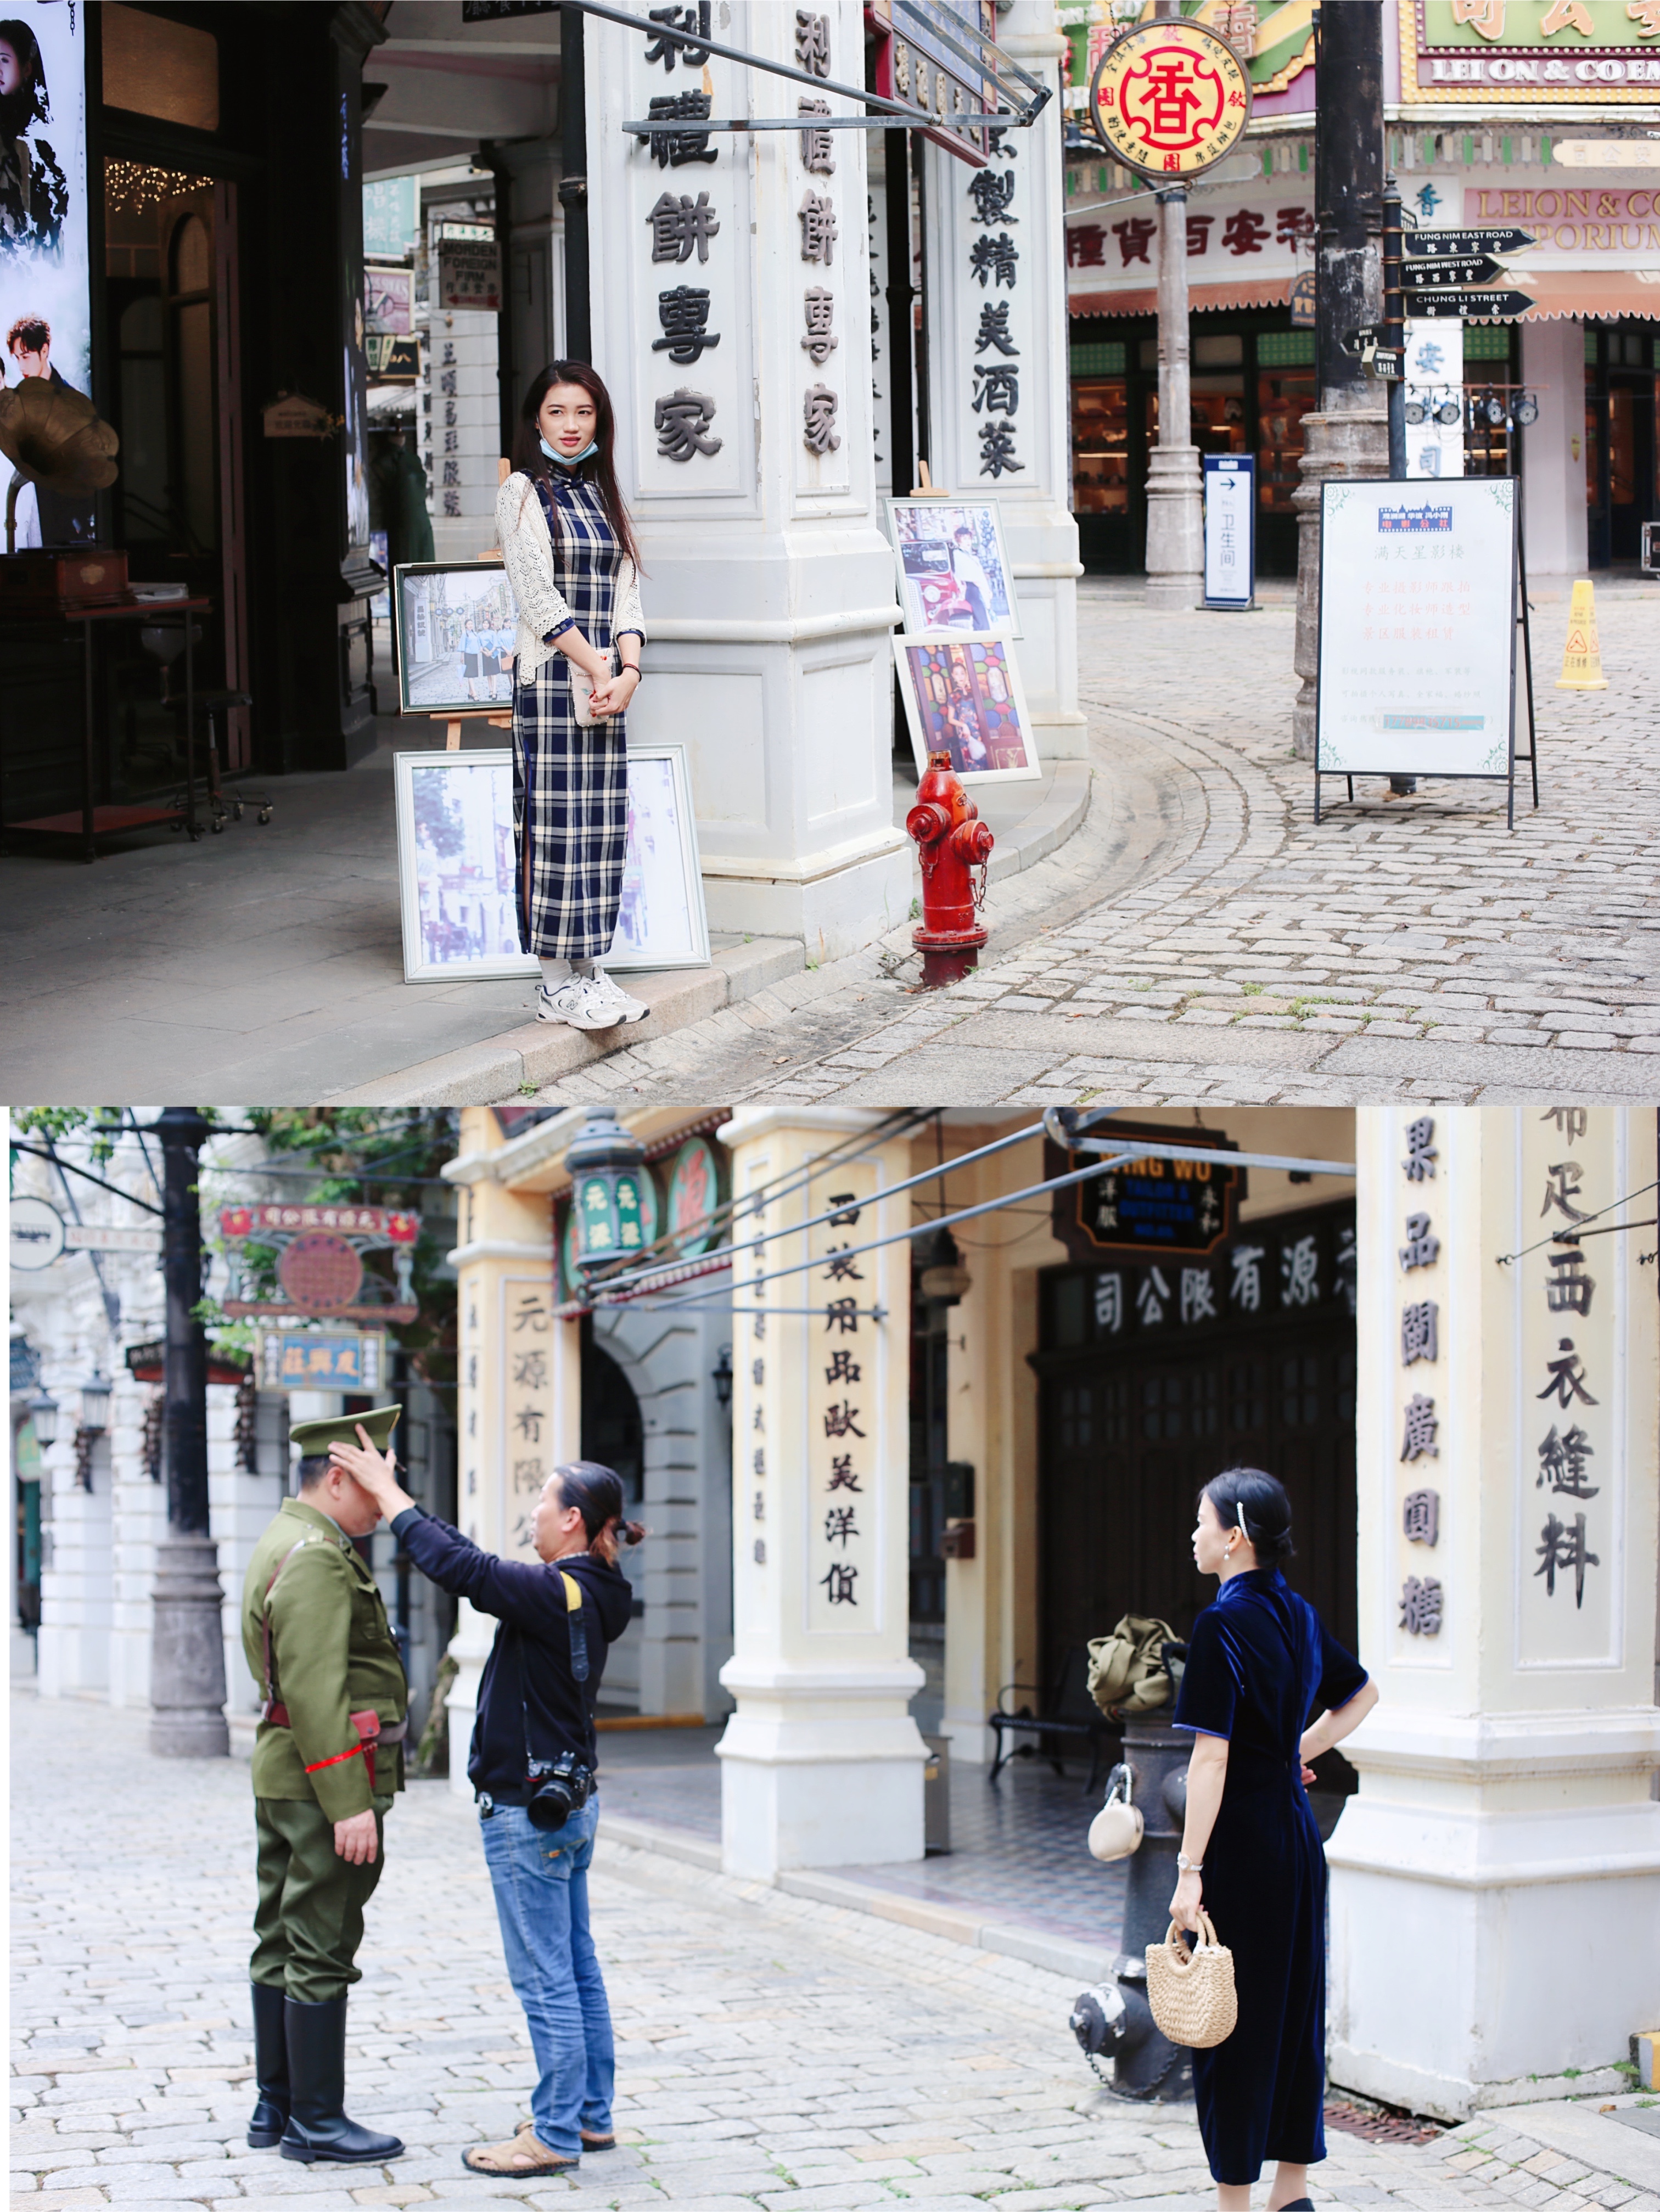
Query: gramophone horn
(53, 437)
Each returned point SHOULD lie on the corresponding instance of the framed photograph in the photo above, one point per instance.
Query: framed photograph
(456, 871)
(963, 696)
(953, 566)
(455, 626)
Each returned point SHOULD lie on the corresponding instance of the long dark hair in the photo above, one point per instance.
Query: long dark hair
(532, 461)
(1264, 1519)
(28, 104)
(596, 1492)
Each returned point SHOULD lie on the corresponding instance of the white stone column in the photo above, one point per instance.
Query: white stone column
(1495, 1902)
(822, 1763)
(1553, 456)
(139, 1524)
(77, 1589)
(1018, 457)
(746, 465)
(518, 1401)
(1176, 539)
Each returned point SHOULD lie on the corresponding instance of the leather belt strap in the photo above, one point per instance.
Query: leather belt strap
(386, 1732)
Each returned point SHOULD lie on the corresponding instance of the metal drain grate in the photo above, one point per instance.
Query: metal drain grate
(1381, 2127)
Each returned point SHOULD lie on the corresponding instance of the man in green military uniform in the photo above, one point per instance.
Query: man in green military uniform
(327, 1760)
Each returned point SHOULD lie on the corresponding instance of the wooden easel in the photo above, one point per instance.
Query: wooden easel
(497, 721)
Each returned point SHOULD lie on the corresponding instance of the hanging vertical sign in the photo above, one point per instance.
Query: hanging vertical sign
(843, 1424)
(1418, 1415)
(1230, 531)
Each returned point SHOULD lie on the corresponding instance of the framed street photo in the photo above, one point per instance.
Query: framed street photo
(455, 623)
(456, 869)
(954, 572)
(963, 696)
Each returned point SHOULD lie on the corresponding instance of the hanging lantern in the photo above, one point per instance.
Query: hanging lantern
(95, 1403)
(941, 1278)
(609, 1186)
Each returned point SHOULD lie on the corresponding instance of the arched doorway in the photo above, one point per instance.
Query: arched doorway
(613, 1431)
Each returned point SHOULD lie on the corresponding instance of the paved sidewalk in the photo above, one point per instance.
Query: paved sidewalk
(1232, 949)
(776, 2054)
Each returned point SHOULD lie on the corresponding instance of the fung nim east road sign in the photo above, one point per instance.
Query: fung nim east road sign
(1439, 245)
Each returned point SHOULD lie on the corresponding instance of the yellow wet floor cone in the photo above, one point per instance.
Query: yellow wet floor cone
(1582, 656)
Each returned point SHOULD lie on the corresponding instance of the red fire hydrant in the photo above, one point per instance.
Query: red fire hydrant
(952, 843)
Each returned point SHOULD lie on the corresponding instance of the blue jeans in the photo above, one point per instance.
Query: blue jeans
(541, 1882)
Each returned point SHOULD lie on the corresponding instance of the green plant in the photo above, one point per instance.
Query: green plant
(1251, 990)
(915, 913)
(527, 1090)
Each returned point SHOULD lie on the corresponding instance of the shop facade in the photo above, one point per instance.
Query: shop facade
(1489, 120)
(1365, 1301)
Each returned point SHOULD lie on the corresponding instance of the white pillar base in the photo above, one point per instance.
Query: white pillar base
(1175, 532)
(469, 1647)
(833, 903)
(820, 1772)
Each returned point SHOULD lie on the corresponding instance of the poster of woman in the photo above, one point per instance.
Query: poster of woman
(45, 314)
(962, 697)
(953, 567)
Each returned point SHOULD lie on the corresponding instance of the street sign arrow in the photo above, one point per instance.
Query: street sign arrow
(1481, 304)
(1438, 245)
(1471, 269)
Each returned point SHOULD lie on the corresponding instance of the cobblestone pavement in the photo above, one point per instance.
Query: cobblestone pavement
(1203, 938)
(775, 2054)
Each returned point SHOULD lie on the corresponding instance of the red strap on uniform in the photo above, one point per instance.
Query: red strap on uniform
(336, 1760)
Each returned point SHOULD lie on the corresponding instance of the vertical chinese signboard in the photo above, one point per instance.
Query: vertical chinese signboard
(1418, 1416)
(1570, 1476)
(844, 1436)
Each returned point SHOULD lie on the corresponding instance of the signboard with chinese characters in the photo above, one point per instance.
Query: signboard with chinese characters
(469, 268)
(1302, 1263)
(916, 59)
(1420, 1410)
(319, 1265)
(1229, 530)
(527, 1378)
(352, 1359)
(1540, 52)
(1570, 1478)
(843, 1432)
(1435, 398)
(1417, 629)
(1170, 99)
(1238, 235)
(1150, 1205)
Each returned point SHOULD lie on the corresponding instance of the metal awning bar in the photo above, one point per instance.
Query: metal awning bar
(670, 126)
(915, 119)
(1132, 1152)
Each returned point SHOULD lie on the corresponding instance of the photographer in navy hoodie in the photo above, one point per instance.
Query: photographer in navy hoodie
(532, 1762)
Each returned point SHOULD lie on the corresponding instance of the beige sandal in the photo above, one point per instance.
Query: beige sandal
(526, 2153)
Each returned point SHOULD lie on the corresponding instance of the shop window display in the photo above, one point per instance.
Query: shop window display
(1100, 444)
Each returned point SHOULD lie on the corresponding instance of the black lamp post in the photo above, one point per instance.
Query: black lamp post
(187, 1652)
(721, 1376)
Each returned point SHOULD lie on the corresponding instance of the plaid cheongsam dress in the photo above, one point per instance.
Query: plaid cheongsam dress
(570, 786)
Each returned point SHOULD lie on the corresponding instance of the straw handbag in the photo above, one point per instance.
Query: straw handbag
(1191, 1992)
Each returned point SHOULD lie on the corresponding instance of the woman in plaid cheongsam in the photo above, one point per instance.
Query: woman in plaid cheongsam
(571, 560)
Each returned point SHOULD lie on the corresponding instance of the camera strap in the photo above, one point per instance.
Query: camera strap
(579, 1655)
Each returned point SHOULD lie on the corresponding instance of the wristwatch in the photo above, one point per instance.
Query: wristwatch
(1188, 1865)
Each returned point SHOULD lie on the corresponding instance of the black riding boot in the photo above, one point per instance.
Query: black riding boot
(270, 2067)
(318, 2126)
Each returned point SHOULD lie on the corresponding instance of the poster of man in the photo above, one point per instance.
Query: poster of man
(456, 622)
(953, 567)
(963, 696)
(45, 321)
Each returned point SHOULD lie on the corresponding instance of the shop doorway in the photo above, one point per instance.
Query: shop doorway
(170, 309)
(1621, 449)
(1252, 382)
(1152, 1380)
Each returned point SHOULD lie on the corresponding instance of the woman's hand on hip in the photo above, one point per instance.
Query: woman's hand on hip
(1185, 1901)
(612, 697)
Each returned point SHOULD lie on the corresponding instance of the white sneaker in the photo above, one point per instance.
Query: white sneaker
(611, 994)
(577, 1003)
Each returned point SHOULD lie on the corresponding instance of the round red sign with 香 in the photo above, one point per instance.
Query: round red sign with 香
(1170, 99)
(320, 1272)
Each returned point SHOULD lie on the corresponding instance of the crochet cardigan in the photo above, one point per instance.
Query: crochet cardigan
(527, 552)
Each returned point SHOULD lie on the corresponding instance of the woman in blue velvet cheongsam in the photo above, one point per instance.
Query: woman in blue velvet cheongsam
(1265, 1690)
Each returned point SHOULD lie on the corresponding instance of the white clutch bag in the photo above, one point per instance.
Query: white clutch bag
(1116, 1831)
(582, 690)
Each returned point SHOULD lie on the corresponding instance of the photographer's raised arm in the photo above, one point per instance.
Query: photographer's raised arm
(513, 1590)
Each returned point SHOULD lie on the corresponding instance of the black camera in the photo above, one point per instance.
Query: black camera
(562, 1786)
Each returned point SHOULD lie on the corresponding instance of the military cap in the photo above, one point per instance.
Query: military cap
(314, 1437)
